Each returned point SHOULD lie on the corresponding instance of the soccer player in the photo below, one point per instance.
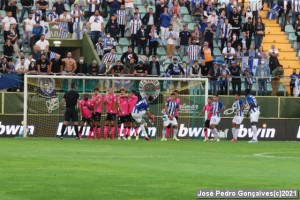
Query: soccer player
(86, 107)
(217, 108)
(207, 108)
(254, 114)
(71, 100)
(239, 106)
(177, 99)
(110, 100)
(96, 116)
(132, 101)
(122, 114)
(169, 117)
(140, 110)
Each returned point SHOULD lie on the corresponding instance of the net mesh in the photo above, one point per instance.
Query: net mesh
(44, 97)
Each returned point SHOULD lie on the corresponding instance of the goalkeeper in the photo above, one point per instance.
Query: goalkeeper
(140, 110)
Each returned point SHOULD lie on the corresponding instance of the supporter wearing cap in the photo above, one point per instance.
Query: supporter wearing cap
(140, 69)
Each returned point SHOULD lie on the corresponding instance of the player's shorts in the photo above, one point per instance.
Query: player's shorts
(206, 123)
(138, 117)
(170, 122)
(86, 119)
(214, 120)
(111, 117)
(71, 114)
(96, 116)
(123, 119)
(254, 116)
(237, 119)
(130, 118)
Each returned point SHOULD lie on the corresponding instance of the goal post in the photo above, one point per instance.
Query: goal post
(43, 95)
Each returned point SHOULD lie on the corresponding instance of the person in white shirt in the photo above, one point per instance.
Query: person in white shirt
(96, 26)
(170, 36)
(135, 24)
(43, 44)
(65, 17)
(21, 67)
(228, 52)
(255, 6)
(213, 19)
(28, 27)
(129, 7)
(6, 22)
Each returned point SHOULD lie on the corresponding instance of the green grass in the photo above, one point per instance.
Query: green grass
(41, 169)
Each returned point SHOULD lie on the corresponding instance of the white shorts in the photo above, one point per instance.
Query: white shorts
(254, 116)
(138, 117)
(237, 119)
(215, 120)
(173, 122)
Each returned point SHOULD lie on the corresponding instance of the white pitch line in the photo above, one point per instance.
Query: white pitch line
(267, 155)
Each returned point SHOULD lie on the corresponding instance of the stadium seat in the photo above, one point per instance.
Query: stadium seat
(289, 29)
(161, 51)
(292, 37)
(276, 39)
(287, 56)
(119, 49)
(123, 41)
(217, 52)
(138, 3)
(191, 26)
(184, 11)
(187, 19)
(142, 10)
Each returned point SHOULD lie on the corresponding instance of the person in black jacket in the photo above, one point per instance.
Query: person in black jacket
(235, 20)
(93, 69)
(154, 67)
(8, 50)
(112, 27)
(284, 12)
(149, 19)
(297, 33)
(142, 40)
(81, 66)
(249, 27)
(26, 7)
(60, 7)
(127, 55)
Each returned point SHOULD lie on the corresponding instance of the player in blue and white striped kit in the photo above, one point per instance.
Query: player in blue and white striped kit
(217, 108)
(239, 106)
(254, 113)
(169, 117)
(140, 110)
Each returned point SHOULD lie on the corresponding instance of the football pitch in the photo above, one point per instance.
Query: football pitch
(42, 169)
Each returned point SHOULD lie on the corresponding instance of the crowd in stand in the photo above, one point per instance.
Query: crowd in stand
(190, 40)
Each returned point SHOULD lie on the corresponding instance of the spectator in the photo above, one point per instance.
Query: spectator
(140, 69)
(277, 74)
(213, 75)
(209, 36)
(112, 28)
(27, 60)
(204, 68)
(239, 54)
(248, 14)
(114, 6)
(38, 15)
(28, 25)
(118, 69)
(81, 66)
(261, 53)
(65, 26)
(297, 33)
(107, 68)
(93, 68)
(207, 54)
(203, 25)
(60, 7)
(22, 67)
(285, 7)
(135, 25)
(297, 21)
(26, 6)
(70, 65)
(273, 59)
(136, 10)
(174, 69)
(93, 6)
(13, 35)
(111, 56)
(81, 5)
(122, 20)
(295, 10)
(36, 53)
(13, 8)
(3, 65)
(224, 79)
(228, 52)
(108, 43)
(226, 30)
(142, 40)
(248, 75)
(184, 40)
(195, 70)
(56, 65)
(52, 17)
(154, 67)
(99, 48)
(293, 78)
(129, 67)
(251, 53)
(249, 28)
(235, 20)
(36, 34)
(165, 21)
(245, 41)
(8, 50)
(149, 19)
(176, 23)
(32, 68)
(262, 74)
(43, 44)
(235, 41)
(96, 26)
(76, 14)
(43, 64)
(221, 21)
(153, 41)
(213, 20)
(236, 82)
(126, 56)
(43, 5)
(6, 22)
(260, 32)
(255, 6)
(193, 53)
(159, 9)
(129, 7)
(170, 37)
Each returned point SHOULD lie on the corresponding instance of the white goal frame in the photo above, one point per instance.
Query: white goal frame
(26, 76)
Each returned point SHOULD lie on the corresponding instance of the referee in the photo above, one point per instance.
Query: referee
(71, 100)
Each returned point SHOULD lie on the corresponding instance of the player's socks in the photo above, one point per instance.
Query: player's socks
(90, 133)
(112, 132)
(136, 133)
(175, 131)
(216, 133)
(233, 132)
(99, 132)
(105, 131)
(237, 130)
(254, 130)
(163, 135)
(76, 131)
(142, 126)
(168, 130)
(63, 130)
(205, 133)
(119, 131)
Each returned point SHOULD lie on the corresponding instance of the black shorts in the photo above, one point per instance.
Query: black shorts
(130, 118)
(110, 117)
(207, 123)
(123, 119)
(85, 119)
(71, 114)
(96, 116)
(177, 118)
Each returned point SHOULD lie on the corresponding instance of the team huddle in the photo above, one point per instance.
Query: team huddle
(131, 112)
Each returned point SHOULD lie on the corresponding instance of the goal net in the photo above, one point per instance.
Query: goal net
(43, 95)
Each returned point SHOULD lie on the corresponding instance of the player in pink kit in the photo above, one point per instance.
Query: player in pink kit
(207, 108)
(96, 116)
(86, 107)
(177, 99)
(123, 114)
(132, 101)
(110, 101)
